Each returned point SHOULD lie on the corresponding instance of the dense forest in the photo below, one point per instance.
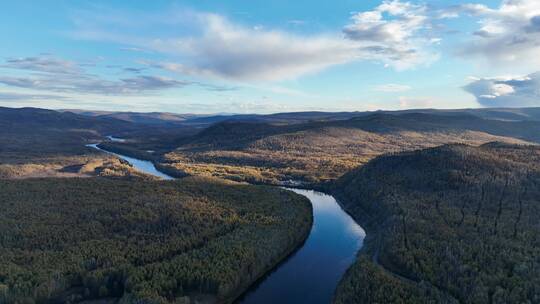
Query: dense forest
(452, 224)
(284, 149)
(43, 143)
(68, 240)
(320, 151)
(38, 142)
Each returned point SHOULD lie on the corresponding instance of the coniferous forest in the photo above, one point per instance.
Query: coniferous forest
(453, 224)
(67, 240)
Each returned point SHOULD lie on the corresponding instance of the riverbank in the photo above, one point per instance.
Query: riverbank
(311, 269)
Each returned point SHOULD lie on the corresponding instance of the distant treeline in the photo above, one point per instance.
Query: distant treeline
(67, 240)
(321, 151)
(453, 224)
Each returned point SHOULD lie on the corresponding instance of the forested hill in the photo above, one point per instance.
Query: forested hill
(29, 132)
(39, 143)
(228, 134)
(20, 118)
(163, 118)
(448, 224)
(193, 240)
(319, 151)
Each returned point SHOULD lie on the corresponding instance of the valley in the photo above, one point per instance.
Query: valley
(412, 180)
(334, 241)
(318, 152)
(270, 152)
(452, 224)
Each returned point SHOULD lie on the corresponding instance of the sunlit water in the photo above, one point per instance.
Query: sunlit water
(312, 273)
(141, 165)
(116, 139)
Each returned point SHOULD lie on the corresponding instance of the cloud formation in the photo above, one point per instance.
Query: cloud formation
(15, 97)
(395, 32)
(45, 63)
(90, 84)
(47, 73)
(521, 91)
(506, 35)
(231, 51)
(214, 46)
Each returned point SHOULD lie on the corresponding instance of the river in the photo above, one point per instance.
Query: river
(141, 165)
(312, 273)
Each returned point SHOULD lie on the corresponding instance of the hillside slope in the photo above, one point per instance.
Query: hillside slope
(447, 224)
(45, 143)
(320, 151)
(36, 133)
(67, 240)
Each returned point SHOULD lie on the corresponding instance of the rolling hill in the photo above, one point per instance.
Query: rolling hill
(320, 151)
(190, 241)
(200, 120)
(39, 143)
(452, 224)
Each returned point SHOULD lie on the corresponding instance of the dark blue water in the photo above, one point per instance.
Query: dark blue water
(311, 275)
(313, 272)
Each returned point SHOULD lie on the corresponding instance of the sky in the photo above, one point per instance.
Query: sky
(256, 56)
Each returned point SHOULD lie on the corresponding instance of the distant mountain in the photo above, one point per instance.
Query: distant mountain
(151, 118)
(508, 114)
(31, 132)
(318, 151)
(452, 224)
(198, 120)
(34, 117)
(309, 146)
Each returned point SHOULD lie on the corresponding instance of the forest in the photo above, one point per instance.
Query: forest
(452, 224)
(315, 152)
(446, 224)
(65, 240)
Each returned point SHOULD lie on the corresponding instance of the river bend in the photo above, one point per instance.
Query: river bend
(312, 273)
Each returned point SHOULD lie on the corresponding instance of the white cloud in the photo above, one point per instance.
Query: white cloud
(44, 63)
(47, 73)
(91, 84)
(211, 45)
(392, 87)
(231, 51)
(16, 97)
(400, 30)
(508, 36)
(517, 91)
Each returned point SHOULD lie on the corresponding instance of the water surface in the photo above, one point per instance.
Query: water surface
(116, 139)
(312, 273)
(141, 165)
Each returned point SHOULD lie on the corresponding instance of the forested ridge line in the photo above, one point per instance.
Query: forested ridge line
(460, 222)
(315, 152)
(135, 241)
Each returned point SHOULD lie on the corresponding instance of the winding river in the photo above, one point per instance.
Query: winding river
(141, 165)
(312, 273)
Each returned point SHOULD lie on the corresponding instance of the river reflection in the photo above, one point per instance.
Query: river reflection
(313, 272)
(311, 275)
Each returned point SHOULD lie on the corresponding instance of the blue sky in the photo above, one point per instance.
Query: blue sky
(269, 56)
